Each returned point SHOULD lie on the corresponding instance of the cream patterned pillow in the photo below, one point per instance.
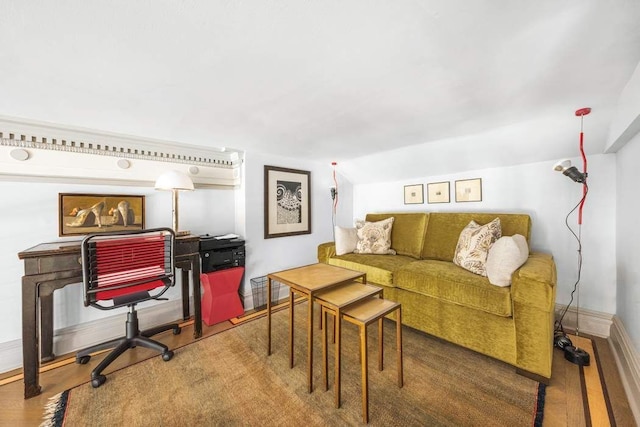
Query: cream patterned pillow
(374, 237)
(474, 243)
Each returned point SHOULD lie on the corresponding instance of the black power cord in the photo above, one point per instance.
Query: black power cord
(572, 353)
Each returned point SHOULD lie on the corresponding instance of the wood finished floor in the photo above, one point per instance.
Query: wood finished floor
(563, 404)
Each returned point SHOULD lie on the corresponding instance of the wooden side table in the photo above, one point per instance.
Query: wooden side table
(334, 300)
(362, 314)
(307, 281)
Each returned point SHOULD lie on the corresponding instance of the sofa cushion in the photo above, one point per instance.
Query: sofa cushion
(346, 240)
(379, 268)
(444, 229)
(374, 237)
(473, 245)
(447, 282)
(407, 236)
(506, 255)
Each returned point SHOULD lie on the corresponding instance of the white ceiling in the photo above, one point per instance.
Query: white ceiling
(343, 80)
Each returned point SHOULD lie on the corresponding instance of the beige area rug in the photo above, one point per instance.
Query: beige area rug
(228, 380)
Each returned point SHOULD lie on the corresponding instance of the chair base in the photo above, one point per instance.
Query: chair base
(133, 338)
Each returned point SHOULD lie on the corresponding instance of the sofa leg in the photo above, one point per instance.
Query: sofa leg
(533, 376)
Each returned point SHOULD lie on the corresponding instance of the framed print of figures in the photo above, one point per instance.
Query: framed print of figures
(413, 194)
(98, 213)
(469, 190)
(287, 202)
(438, 192)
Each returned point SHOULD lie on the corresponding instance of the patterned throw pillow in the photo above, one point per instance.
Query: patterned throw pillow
(374, 237)
(474, 243)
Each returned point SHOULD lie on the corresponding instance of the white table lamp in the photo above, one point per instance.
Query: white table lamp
(175, 181)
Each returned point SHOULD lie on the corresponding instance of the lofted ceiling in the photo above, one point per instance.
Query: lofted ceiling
(355, 81)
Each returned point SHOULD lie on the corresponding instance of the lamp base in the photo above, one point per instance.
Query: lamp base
(576, 356)
(182, 233)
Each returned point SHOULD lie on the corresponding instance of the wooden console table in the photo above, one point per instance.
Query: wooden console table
(52, 266)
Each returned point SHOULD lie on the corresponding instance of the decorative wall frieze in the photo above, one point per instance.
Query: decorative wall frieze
(38, 150)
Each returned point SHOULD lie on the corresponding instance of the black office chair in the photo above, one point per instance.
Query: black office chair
(122, 269)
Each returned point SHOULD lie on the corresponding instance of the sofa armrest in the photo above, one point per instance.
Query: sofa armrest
(326, 251)
(533, 291)
(534, 284)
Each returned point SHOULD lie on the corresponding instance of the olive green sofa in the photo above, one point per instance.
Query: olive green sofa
(514, 324)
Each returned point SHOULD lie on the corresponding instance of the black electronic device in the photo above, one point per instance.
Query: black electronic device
(218, 254)
(572, 353)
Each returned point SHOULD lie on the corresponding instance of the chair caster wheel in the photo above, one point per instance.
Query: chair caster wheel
(98, 381)
(167, 355)
(177, 330)
(83, 360)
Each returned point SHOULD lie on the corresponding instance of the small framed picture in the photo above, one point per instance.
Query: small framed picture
(287, 202)
(413, 194)
(469, 190)
(438, 192)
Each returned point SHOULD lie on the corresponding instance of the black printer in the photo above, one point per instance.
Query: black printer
(219, 253)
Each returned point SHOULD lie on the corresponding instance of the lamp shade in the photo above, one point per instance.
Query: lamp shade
(174, 180)
(572, 172)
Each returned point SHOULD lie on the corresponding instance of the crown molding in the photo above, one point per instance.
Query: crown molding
(46, 151)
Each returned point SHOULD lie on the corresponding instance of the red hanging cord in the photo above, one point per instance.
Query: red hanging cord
(582, 112)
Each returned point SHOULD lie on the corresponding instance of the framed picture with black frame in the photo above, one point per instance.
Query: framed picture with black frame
(287, 202)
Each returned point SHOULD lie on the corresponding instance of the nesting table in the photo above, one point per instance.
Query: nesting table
(307, 281)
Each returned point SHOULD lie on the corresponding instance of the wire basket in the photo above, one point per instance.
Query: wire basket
(259, 292)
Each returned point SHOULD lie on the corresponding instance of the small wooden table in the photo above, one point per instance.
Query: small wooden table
(362, 314)
(307, 281)
(335, 300)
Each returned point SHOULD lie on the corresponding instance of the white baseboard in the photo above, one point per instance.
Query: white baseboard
(591, 322)
(73, 338)
(627, 361)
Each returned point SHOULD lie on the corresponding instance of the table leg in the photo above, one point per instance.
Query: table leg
(291, 329)
(46, 324)
(310, 344)
(381, 343)
(338, 350)
(365, 373)
(197, 296)
(30, 357)
(268, 316)
(325, 361)
(399, 347)
(185, 295)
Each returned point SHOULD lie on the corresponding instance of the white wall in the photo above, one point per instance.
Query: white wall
(30, 216)
(547, 196)
(269, 255)
(628, 238)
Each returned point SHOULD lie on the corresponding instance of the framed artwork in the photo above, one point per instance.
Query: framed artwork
(438, 192)
(469, 190)
(287, 202)
(413, 194)
(98, 213)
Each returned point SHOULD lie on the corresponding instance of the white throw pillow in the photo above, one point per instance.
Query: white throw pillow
(505, 256)
(346, 240)
(473, 245)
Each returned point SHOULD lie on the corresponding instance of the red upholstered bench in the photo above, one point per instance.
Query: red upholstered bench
(220, 299)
